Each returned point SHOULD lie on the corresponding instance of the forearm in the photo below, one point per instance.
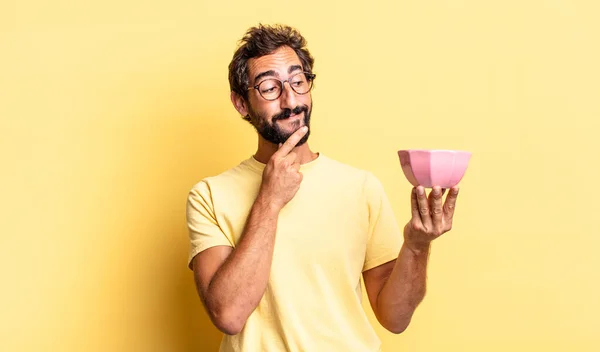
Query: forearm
(404, 289)
(239, 284)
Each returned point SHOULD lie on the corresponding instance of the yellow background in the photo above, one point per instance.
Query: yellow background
(111, 110)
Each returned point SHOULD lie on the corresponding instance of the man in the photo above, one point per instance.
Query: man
(279, 242)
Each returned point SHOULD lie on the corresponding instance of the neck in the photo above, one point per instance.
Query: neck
(267, 149)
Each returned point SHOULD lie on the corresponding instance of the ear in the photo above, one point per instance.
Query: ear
(239, 103)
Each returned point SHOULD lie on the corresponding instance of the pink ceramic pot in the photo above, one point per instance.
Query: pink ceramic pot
(428, 168)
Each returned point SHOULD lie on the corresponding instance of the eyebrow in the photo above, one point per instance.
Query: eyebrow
(273, 73)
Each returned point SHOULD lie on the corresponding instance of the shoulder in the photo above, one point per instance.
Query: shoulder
(227, 180)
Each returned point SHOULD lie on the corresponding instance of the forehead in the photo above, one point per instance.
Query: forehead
(279, 61)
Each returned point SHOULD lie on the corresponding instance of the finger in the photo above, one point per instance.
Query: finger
(450, 203)
(423, 207)
(295, 167)
(443, 190)
(291, 142)
(435, 203)
(291, 158)
(414, 206)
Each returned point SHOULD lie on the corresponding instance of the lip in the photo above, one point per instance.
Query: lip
(290, 117)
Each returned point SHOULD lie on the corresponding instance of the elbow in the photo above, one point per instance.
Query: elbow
(396, 320)
(398, 328)
(226, 321)
(229, 328)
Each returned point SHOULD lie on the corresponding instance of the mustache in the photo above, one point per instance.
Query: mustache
(288, 112)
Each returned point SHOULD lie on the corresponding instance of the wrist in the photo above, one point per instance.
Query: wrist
(418, 249)
(414, 242)
(267, 204)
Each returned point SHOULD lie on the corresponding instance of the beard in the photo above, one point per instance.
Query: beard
(271, 131)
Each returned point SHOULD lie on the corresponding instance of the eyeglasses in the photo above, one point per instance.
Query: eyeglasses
(271, 88)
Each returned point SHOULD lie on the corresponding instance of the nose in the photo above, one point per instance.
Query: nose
(288, 97)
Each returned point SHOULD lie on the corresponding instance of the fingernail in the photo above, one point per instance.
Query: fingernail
(420, 190)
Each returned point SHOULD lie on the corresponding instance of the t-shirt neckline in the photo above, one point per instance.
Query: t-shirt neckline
(258, 166)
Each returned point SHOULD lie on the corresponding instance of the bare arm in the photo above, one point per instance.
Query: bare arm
(231, 282)
(396, 288)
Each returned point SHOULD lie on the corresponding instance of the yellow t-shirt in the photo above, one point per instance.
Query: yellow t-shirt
(339, 224)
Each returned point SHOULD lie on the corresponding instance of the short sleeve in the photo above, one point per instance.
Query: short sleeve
(385, 238)
(204, 230)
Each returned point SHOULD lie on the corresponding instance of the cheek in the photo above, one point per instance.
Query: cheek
(267, 110)
(306, 100)
(256, 107)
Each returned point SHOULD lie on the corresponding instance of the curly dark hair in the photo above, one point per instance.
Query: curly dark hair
(263, 40)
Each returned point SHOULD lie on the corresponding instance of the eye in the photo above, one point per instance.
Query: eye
(269, 86)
